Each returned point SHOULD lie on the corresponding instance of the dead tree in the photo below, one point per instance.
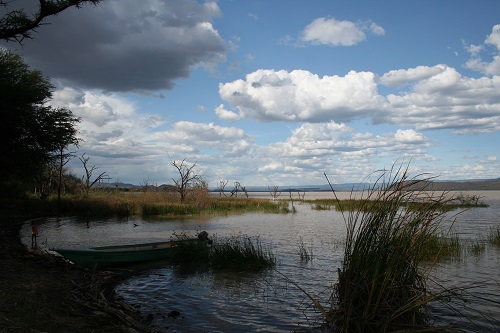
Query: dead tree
(221, 187)
(188, 178)
(275, 192)
(237, 187)
(89, 170)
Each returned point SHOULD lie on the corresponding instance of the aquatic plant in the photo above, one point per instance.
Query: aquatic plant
(240, 253)
(494, 236)
(441, 247)
(380, 286)
(306, 254)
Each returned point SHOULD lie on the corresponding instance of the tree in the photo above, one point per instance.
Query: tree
(32, 133)
(17, 23)
(188, 178)
(89, 171)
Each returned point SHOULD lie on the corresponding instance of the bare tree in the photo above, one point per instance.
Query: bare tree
(89, 170)
(221, 187)
(237, 187)
(188, 178)
(275, 192)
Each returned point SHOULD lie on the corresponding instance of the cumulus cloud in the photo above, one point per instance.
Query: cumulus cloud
(404, 76)
(224, 114)
(446, 100)
(268, 95)
(110, 125)
(437, 97)
(128, 45)
(312, 149)
(477, 63)
(329, 31)
(226, 140)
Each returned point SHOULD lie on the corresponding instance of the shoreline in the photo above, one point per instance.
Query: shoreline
(42, 293)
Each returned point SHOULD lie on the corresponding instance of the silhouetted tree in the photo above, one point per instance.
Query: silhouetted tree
(18, 23)
(32, 133)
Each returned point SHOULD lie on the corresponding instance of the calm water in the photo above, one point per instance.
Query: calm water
(269, 302)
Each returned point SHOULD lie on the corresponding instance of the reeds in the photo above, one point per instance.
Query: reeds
(305, 254)
(240, 253)
(380, 286)
(152, 204)
(494, 236)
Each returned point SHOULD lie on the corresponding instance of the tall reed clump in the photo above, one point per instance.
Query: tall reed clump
(380, 286)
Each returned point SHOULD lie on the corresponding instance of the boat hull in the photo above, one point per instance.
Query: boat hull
(107, 256)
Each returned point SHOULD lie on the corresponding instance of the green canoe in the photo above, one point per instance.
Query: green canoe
(106, 256)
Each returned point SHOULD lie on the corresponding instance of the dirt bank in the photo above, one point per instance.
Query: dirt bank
(40, 293)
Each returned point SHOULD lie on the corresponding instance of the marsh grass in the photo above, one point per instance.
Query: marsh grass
(305, 254)
(494, 236)
(154, 204)
(381, 287)
(240, 253)
(440, 247)
(477, 247)
(416, 203)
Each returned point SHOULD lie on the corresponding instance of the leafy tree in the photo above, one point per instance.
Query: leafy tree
(32, 133)
(17, 23)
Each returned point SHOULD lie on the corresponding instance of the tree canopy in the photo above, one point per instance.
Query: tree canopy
(32, 133)
(18, 23)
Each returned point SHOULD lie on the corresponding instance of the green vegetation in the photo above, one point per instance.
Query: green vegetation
(149, 204)
(240, 253)
(494, 236)
(380, 286)
(440, 247)
(460, 200)
(306, 254)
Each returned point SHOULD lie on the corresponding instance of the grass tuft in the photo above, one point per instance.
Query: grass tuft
(380, 286)
(240, 253)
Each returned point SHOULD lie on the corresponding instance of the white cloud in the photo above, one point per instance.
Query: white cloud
(477, 63)
(438, 97)
(222, 113)
(446, 100)
(268, 95)
(328, 31)
(226, 140)
(404, 76)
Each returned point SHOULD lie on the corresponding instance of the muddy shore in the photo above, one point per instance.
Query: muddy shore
(41, 293)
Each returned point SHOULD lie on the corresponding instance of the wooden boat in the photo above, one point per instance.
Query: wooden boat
(106, 256)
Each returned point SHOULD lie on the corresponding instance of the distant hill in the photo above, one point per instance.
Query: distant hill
(447, 185)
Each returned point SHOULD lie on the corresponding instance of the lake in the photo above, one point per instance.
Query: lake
(272, 301)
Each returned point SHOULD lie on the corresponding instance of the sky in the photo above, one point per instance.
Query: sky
(277, 92)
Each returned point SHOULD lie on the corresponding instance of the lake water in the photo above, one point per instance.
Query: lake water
(272, 301)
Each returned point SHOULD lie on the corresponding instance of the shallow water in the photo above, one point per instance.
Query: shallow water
(270, 302)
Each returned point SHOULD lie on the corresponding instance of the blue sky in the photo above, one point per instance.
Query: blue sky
(272, 92)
